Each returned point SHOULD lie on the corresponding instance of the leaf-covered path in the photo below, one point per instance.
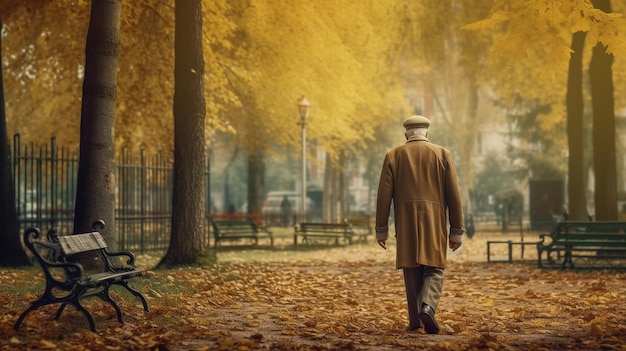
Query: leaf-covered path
(333, 298)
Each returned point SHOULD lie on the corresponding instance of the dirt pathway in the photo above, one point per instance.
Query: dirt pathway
(353, 298)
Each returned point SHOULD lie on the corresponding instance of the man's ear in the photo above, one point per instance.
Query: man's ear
(406, 136)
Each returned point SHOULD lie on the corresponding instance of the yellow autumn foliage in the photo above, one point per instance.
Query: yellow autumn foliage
(362, 65)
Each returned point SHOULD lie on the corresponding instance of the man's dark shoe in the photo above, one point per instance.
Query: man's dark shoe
(412, 328)
(427, 316)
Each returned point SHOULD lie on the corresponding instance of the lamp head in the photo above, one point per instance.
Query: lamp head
(303, 107)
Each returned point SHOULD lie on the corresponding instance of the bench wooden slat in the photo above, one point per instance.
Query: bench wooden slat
(605, 244)
(99, 277)
(77, 243)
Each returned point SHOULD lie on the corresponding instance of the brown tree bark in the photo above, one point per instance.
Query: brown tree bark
(576, 184)
(335, 200)
(603, 103)
(327, 200)
(95, 189)
(188, 219)
(256, 171)
(11, 252)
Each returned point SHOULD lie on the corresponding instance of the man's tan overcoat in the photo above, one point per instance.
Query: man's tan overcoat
(421, 180)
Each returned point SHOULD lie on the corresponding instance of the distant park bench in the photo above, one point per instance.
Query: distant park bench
(584, 245)
(257, 218)
(55, 255)
(234, 230)
(361, 226)
(308, 231)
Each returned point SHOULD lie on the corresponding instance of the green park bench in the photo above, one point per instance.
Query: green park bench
(67, 282)
(581, 245)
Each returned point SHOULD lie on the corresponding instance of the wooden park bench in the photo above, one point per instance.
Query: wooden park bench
(361, 227)
(239, 229)
(257, 218)
(310, 230)
(584, 245)
(67, 282)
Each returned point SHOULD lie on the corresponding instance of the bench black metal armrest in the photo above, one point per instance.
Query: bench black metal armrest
(74, 269)
(130, 255)
(545, 239)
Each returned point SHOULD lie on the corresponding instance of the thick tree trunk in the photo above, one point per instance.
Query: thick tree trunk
(11, 252)
(604, 157)
(255, 184)
(329, 190)
(335, 200)
(186, 242)
(576, 184)
(335, 196)
(95, 192)
(344, 187)
(468, 142)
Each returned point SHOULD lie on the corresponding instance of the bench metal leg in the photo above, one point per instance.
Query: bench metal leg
(35, 305)
(568, 258)
(49, 299)
(136, 293)
(92, 323)
(106, 296)
(60, 311)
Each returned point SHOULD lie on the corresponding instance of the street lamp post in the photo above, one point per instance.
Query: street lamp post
(303, 107)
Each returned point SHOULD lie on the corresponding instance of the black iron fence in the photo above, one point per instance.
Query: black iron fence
(45, 192)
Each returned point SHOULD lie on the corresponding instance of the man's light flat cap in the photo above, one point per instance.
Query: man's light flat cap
(416, 121)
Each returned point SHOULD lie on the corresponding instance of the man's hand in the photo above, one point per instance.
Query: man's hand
(383, 244)
(454, 245)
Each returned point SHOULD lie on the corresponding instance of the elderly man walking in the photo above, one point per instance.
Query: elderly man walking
(420, 179)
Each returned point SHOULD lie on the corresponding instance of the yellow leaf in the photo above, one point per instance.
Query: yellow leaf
(47, 345)
(227, 343)
(493, 346)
